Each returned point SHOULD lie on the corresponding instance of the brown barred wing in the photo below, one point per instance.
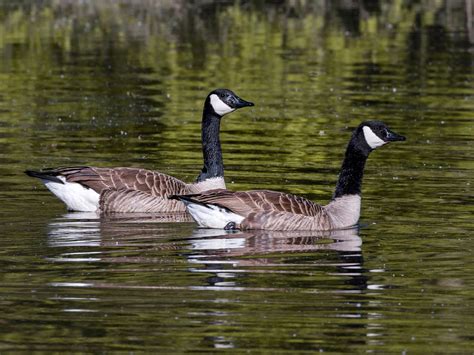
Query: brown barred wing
(151, 182)
(134, 201)
(257, 201)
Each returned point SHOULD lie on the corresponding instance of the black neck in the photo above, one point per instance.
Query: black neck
(211, 146)
(352, 170)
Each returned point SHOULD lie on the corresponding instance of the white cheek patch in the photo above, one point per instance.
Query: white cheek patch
(219, 106)
(372, 139)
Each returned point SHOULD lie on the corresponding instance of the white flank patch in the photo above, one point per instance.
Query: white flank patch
(371, 138)
(219, 106)
(74, 195)
(212, 216)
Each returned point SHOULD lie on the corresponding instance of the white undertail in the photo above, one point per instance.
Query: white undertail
(74, 195)
(211, 216)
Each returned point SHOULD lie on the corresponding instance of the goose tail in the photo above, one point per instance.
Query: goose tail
(45, 175)
(76, 196)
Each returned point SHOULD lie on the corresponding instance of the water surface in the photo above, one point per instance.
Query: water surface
(122, 84)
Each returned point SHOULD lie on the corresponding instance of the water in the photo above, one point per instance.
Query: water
(122, 84)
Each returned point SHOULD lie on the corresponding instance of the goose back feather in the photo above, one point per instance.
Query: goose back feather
(126, 200)
(264, 209)
(246, 202)
(152, 182)
(134, 201)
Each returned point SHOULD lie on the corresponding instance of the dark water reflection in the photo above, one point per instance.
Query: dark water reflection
(170, 264)
(121, 83)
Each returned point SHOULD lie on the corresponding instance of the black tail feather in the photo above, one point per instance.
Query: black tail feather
(187, 198)
(44, 175)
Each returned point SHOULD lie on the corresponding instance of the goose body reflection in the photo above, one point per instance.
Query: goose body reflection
(136, 254)
(229, 257)
(91, 229)
(264, 242)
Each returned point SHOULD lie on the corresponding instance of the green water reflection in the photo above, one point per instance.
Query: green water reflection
(121, 83)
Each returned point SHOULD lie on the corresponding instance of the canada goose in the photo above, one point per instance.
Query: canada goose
(271, 210)
(80, 187)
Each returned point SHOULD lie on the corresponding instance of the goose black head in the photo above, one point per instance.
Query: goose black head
(224, 101)
(377, 134)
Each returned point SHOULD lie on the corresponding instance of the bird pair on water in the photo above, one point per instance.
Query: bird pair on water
(210, 204)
